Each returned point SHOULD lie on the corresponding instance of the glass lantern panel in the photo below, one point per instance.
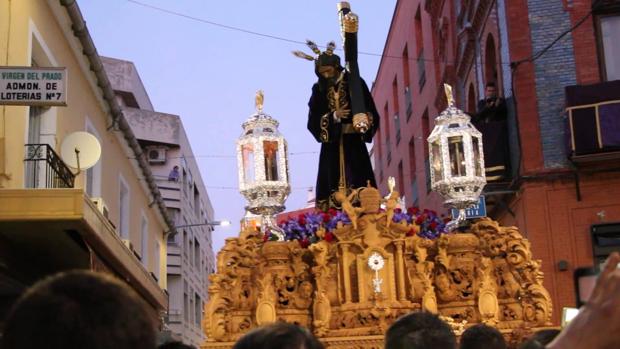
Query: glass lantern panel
(270, 149)
(457, 156)
(437, 165)
(285, 171)
(476, 147)
(247, 151)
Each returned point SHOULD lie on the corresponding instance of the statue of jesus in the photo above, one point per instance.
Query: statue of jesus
(342, 117)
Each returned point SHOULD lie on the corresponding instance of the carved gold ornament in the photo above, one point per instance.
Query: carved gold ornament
(349, 288)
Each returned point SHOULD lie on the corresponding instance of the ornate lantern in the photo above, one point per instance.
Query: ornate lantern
(262, 159)
(456, 160)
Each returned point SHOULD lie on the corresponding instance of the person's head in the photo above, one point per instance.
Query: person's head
(175, 345)
(279, 335)
(176, 168)
(420, 330)
(490, 91)
(540, 339)
(482, 336)
(79, 309)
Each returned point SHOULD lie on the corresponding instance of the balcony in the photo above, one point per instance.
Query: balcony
(170, 191)
(62, 229)
(594, 122)
(45, 169)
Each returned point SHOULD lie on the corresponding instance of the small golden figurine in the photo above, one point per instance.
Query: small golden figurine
(259, 100)
(449, 96)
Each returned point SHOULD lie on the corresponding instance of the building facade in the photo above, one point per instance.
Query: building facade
(52, 218)
(165, 146)
(554, 63)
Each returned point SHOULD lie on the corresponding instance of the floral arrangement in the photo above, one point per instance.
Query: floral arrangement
(305, 226)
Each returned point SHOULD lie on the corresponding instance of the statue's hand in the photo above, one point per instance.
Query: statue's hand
(341, 114)
(361, 122)
(350, 22)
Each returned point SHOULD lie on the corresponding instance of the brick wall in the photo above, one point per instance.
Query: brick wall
(554, 70)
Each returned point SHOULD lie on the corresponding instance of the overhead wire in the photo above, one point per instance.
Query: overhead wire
(271, 36)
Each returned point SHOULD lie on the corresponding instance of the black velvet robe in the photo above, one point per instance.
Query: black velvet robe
(327, 131)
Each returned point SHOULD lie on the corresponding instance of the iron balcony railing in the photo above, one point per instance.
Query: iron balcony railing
(45, 169)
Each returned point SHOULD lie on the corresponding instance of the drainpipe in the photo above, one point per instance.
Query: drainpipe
(89, 50)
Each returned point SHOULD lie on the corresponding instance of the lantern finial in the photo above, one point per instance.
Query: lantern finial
(259, 100)
(449, 96)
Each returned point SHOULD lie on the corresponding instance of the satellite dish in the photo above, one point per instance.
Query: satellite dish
(80, 150)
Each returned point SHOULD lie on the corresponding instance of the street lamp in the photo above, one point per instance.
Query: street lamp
(456, 160)
(262, 159)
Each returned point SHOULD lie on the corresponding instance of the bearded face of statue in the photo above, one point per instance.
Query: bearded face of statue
(328, 71)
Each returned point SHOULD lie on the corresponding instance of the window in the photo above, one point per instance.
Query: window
(379, 154)
(196, 253)
(395, 107)
(609, 34)
(426, 130)
(414, 192)
(198, 310)
(93, 174)
(185, 303)
(405, 61)
(388, 145)
(185, 243)
(471, 100)
(395, 95)
(157, 260)
(397, 127)
(124, 212)
(184, 183)
(490, 61)
(421, 64)
(191, 307)
(419, 40)
(191, 251)
(426, 127)
(144, 245)
(196, 202)
(34, 169)
(408, 102)
(401, 179)
(412, 164)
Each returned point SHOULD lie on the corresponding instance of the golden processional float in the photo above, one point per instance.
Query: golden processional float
(348, 274)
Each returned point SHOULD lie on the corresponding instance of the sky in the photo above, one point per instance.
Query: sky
(209, 75)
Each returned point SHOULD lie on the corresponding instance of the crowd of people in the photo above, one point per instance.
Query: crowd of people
(83, 309)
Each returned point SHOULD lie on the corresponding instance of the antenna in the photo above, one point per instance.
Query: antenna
(80, 150)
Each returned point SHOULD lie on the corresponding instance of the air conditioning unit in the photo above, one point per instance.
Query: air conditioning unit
(156, 155)
(101, 206)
